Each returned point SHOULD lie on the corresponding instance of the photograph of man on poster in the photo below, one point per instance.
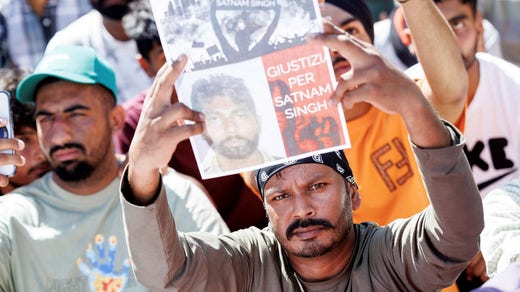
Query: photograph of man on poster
(232, 127)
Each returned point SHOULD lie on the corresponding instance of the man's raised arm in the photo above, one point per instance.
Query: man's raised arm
(440, 57)
(161, 127)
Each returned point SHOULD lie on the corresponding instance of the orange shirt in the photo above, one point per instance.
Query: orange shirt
(385, 168)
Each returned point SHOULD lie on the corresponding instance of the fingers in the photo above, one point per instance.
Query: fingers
(347, 46)
(329, 27)
(8, 159)
(164, 131)
(350, 96)
(11, 144)
(178, 115)
(162, 89)
(185, 131)
(477, 268)
(362, 58)
(4, 181)
(352, 87)
(179, 111)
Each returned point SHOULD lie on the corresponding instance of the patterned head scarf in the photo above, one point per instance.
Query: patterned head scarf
(335, 160)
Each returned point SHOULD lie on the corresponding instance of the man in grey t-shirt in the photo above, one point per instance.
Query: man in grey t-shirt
(311, 243)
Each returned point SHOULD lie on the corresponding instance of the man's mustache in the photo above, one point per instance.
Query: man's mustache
(66, 146)
(306, 223)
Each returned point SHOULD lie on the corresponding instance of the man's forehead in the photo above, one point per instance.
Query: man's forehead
(453, 8)
(63, 94)
(306, 171)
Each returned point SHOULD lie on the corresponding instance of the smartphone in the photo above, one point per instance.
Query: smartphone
(7, 130)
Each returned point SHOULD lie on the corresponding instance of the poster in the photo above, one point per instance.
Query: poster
(262, 88)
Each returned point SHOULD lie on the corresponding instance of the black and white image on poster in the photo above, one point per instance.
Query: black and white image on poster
(220, 32)
(241, 129)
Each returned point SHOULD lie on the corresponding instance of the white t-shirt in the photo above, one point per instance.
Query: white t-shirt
(493, 124)
(89, 30)
(492, 128)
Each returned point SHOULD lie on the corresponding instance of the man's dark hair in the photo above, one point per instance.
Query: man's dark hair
(140, 26)
(23, 113)
(205, 90)
(471, 3)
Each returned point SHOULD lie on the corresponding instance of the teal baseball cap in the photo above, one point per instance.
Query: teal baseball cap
(76, 64)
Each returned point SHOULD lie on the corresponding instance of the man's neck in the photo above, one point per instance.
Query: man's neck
(473, 80)
(115, 28)
(327, 266)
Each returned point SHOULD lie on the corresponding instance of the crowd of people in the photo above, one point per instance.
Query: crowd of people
(108, 194)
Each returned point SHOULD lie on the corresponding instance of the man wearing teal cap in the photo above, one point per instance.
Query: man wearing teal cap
(64, 232)
(71, 63)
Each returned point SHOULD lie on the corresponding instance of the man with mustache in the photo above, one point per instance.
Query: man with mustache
(311, 243)
(232, 128)
(64, 231)
(102, 29)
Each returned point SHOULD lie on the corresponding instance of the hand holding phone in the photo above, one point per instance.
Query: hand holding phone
(6, 131)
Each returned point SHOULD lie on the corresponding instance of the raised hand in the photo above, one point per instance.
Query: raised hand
(373, 80)
(162, 125)
(7, 159)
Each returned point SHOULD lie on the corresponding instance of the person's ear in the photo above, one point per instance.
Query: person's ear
(479, 26)
(479, 23)
(117, 118)
(399, 23)
(145, 65)
(355, 197)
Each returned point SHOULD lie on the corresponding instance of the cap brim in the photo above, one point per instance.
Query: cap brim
(27, 88)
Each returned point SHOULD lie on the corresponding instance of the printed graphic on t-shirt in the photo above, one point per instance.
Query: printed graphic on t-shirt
(497, 166)
(100, 268)
(393, 172)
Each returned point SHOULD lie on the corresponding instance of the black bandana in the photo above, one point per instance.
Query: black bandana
(335, 160)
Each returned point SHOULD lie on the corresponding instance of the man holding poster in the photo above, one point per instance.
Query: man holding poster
(290, 80)
(311, 243)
